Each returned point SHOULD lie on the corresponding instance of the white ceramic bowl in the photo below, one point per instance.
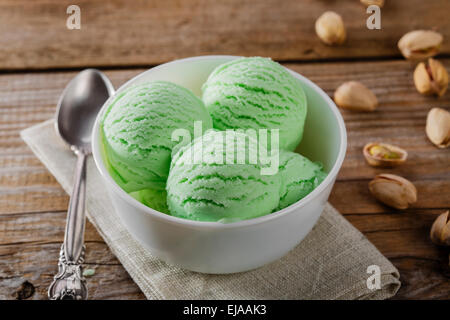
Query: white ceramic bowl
(213, 247)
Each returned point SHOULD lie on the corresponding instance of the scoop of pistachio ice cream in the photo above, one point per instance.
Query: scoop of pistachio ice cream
(256, 93)
(137, 132)
(299, 177)
(155, 199)
(214, 189)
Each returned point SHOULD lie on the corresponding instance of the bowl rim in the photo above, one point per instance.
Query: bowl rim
(219, 225)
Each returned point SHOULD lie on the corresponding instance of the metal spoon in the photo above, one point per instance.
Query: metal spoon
(77, 109)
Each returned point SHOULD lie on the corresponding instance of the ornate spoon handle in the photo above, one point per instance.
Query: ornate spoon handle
(69, 283)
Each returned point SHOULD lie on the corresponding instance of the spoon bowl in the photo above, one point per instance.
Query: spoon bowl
(79, 105)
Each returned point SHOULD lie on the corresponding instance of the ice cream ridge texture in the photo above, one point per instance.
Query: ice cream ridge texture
(256, 93)
(299, 176)
(214, 189)
(137, 132)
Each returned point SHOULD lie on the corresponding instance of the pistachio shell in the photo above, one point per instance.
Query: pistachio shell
(438, 127)
(440, 230)
(431, 78)
(379, 154)
(355, 96)
(394, 191)
(422, 79)
(330, 28)
(439, 76)
(379, 3)
(420, 44)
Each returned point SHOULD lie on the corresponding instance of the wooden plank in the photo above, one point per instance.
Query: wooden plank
(119, 33)
(19, 264)
(354, 196)
(422, 278)
(42, 228)
(405, 234)
(29, 248)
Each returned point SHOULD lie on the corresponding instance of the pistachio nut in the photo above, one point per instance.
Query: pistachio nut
(330, 28)
(393, 190)
(438, 127)
(355, 96)
(367, 3)
(431, 78)
(379, 154)
(440, 231)
(420, 44)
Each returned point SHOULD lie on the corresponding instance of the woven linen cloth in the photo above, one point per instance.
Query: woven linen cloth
(330, 263)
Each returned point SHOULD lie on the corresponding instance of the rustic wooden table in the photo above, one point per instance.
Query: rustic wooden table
(39, 55)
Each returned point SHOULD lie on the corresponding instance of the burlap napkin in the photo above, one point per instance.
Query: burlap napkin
(330, 263)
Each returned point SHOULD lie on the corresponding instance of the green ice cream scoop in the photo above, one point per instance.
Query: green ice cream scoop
(155, 199)
(299, 176)
(137, 132)
(256, 93)
(216, 189)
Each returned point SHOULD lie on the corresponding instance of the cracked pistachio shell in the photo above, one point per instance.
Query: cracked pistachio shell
(420, 44)
(431, 78)
(440, 231)
(379, 154)
(330, 28)
(438, 127)
(355, 96)
(393, 190)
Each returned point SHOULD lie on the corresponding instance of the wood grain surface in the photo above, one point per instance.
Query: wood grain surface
(127, 35)
(148, 32)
